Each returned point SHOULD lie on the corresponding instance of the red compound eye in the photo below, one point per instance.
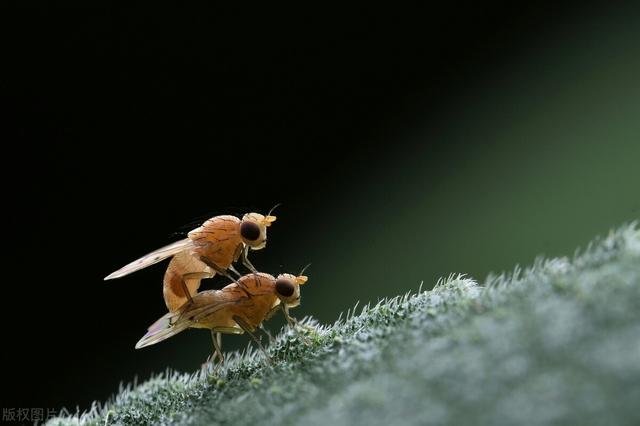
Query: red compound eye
(285, 288)
(250, 230)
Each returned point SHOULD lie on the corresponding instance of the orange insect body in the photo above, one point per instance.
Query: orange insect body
(253, 310)
(183, 263)
(209, 249)
(230, 310)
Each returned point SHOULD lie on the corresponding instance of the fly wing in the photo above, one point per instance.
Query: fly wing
(161, 330)
(175, 322)
(152, 258)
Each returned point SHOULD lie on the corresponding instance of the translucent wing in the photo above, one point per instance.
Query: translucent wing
(175, 322)
(152, 258)
(161, 330)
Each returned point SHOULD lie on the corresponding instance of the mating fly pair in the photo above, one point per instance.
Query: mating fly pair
(208, 250)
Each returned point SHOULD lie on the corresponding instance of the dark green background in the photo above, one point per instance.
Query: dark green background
(538, 156)
(404, 145)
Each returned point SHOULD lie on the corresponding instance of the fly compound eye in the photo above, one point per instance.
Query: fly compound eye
(284, 288)
(250, 231)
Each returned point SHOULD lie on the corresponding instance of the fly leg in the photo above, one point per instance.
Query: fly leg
(294, 323)
(245, 260)
(186, 291)
(248, 329)
(216, 339)
(224, 273)
(234, 270)
(290, 320)
(192, 276)
(266, 332)
(185, 306)
(197, 275)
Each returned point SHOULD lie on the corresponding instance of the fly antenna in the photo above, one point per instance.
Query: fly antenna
(273, 208)
(304, 269)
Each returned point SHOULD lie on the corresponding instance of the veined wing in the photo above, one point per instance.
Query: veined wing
(175, 322)
(152, 258)
(161, 330)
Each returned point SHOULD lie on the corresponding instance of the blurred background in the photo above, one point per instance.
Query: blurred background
(404, 145)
